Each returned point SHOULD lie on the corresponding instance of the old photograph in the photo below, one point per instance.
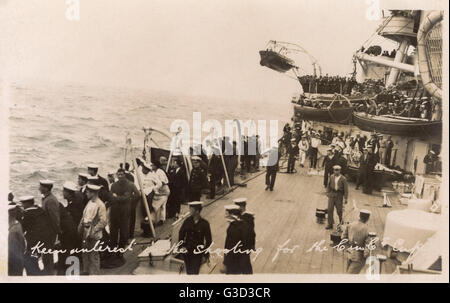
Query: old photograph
(213, 140)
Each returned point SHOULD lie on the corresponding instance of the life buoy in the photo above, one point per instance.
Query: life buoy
(430, 20)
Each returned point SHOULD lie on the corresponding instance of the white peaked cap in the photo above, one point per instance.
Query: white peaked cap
(232, 207)
(83, 175)
(46, 182)
(240, 200)
(365, 211)
(94, 187)
(92, 165)
(70, 186)
(26, 198)
(195, 203)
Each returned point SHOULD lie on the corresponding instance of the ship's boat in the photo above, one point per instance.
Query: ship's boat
(342, 115)
(400, 126)
(328, 98)
(276, 61)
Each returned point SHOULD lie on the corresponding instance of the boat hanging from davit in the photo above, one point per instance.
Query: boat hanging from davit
(398, 126)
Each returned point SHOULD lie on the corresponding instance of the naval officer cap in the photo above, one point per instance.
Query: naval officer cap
(293, 140)
(92, 165)
(93, 187)
(240, 201)
(337, 167)
(232, 208)
(46, 182)
(25, 199)
(196, 158)
(364, 213)
(83, 176)
(195, 204)
(69, 186)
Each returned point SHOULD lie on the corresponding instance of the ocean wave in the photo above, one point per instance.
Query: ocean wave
(81, 118)
(63, 143)
(102, 139)
(38, 174)
(13, 118)
(98, 146)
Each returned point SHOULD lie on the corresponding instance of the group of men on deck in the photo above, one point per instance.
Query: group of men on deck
(303, 143)
(99, 212)
(75, 228)
(195, 237)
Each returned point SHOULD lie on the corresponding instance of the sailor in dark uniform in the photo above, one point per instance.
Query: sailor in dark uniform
(37, 228)
(82, 182)
(16, 243)
(104, 193)
(293, 152)
(234, 260)
(69, 238)
(74, 200)
(272, 167)
(328, 163)
(215, 169)
(93, 171)
(198, 179)
(124, 194)
(357, 234)
(51, 206)
(196, 236)
(177, 186)
(249, 218)
(369, 171)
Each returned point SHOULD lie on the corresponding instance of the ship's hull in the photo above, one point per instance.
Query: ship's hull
(398, 126)
(342, 115)
(275, 61)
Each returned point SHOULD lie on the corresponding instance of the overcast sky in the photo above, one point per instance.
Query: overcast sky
(205, 47)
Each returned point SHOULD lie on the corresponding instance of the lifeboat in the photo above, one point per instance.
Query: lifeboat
(276, 61)
(342, 115)
(399, 126)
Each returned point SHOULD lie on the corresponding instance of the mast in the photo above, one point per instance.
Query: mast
(400, 27)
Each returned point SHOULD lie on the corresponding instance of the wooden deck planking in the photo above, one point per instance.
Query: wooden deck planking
(286, 213)
(285, 208)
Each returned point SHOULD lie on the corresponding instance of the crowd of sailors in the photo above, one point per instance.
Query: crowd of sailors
(356, 151)
(327, 84)
(395, 104)
(386, 102)
(104, 209)
(97, 222)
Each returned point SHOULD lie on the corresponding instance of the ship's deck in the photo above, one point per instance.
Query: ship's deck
(284, 216)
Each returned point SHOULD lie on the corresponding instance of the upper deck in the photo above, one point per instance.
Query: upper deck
(284, 218)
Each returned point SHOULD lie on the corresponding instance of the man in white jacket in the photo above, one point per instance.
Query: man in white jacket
(303, 146)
